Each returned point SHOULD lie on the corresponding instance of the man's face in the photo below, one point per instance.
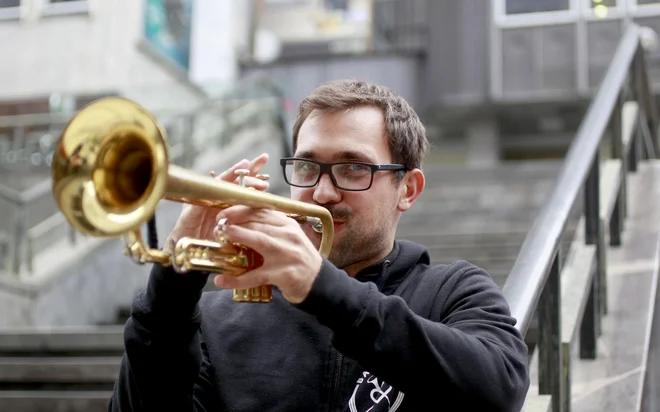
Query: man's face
(365, 221)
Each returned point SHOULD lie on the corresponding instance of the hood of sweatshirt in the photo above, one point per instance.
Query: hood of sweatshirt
(388, 273)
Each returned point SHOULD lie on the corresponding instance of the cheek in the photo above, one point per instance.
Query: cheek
(378, 206)
(301, 194)
(366, 207)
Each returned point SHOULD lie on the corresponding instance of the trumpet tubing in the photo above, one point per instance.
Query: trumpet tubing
(111, 169)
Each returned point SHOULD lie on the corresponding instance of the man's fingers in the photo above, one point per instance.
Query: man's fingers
(261, 240)
(254, 167)
(257, 164)
(254, 182)
(240, 214)
(229, 175)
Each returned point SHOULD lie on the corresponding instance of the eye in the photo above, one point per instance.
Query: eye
(302, 168)
(354, 170)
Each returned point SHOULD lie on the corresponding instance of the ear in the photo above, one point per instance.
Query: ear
(410, 188)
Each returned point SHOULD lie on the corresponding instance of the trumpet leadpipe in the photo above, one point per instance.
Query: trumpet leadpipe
(314, 222)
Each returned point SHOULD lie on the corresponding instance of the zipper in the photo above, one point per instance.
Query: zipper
(336, 377)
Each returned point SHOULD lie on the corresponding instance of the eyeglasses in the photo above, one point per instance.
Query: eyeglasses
(351, 176)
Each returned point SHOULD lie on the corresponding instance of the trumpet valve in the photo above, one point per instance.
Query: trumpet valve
(241, 176)
(262, 294)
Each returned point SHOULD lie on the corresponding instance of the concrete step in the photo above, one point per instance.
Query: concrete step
(51, 401)
(59, 369)
(508, 171)
(62, 340)
(488, 235)
(25, 371)
(440, 214)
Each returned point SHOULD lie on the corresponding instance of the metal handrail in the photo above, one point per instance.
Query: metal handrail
(534, 280)
(530, 271)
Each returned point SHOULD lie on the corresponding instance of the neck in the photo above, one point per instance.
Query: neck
(355, 268)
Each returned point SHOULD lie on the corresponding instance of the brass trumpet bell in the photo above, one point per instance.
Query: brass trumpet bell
(111, 169)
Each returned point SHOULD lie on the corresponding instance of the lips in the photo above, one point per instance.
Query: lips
(338, 225)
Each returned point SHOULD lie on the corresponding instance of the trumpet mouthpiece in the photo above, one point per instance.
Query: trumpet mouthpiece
(316, 224)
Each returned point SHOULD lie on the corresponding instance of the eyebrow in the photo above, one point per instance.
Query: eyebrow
(346, 155)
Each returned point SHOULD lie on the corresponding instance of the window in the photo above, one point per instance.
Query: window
(10, 9)
(527, 6)
(55, 7)
(641, 2)
(603, 9)
(595, 4)
(9, 3)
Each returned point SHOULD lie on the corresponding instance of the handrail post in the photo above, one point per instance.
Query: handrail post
(20, 222)
(550, 357)
(187, 139)
(29, 254)
(590, 327)
(620, 206)
(647, 103)
(71, 231)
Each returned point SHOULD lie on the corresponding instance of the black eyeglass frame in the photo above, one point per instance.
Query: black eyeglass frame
(327, 168)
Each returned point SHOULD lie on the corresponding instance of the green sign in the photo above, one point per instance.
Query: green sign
(167, 29)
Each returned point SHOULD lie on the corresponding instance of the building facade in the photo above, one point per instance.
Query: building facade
(154, 51)
(520, 72)
(504, 76)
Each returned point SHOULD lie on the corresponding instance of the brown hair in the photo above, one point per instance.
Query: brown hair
(404, 129)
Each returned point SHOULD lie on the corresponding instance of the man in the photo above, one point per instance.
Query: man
(372, 328)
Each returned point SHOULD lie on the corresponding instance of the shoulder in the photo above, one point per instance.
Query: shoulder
(440, 276)
(435, 288)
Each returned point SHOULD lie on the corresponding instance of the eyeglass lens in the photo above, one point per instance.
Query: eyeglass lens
(350, 176)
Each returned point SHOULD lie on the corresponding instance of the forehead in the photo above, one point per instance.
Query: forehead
(337, 135)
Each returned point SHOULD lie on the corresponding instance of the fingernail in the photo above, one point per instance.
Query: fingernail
(222, 222)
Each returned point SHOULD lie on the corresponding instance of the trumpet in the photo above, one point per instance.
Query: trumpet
(111, 169)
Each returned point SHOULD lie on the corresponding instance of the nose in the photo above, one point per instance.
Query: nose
(325, 191)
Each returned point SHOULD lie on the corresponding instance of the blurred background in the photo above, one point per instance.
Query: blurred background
(503, 87)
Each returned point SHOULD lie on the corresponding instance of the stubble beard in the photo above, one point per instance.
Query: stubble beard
(354, 247)
(356, 242)
(359, 242)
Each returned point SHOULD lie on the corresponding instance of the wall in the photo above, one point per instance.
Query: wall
(451, 67)
(84, 53)
(297, 78)
(457, 54)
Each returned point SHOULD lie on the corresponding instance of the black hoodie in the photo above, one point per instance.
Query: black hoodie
(400, 336)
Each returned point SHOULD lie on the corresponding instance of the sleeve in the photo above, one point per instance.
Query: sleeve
(473, 356)
(165, 364)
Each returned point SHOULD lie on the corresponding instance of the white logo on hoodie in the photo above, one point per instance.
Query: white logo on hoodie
(372, 395)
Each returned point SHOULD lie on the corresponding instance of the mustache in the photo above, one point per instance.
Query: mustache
(339, 213)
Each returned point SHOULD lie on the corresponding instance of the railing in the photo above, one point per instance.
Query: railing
(212, 124)
(622, 116)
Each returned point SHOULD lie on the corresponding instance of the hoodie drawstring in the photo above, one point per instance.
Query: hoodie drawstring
(382, 280)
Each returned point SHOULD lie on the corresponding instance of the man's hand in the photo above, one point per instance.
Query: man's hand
(291, 262)
(199, 221)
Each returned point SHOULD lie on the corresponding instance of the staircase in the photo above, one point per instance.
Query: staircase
(64, 370)
(480, 215)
